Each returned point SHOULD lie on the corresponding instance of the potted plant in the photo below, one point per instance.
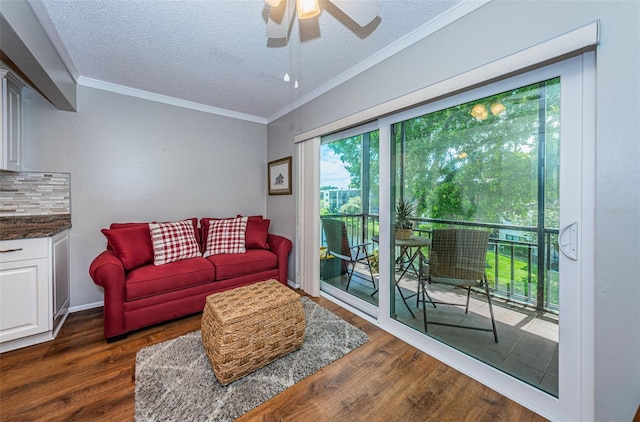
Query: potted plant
(374, 261)
(404, 226)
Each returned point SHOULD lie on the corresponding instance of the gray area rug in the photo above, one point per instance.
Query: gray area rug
(175, 382)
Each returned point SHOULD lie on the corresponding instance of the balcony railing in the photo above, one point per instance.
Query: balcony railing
(512, 264)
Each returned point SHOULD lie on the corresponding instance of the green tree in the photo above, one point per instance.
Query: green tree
(350, 151)
(352, 206)
(454, 166)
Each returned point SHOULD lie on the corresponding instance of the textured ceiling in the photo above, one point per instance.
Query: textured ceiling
(215, 52)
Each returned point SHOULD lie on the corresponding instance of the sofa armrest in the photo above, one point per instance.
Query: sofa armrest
(108, 271)
(105, 268)
(281, 246)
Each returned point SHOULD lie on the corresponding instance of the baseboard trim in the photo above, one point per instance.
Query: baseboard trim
(85, 307)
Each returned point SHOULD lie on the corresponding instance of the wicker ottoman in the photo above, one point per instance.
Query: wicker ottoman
(246, 328)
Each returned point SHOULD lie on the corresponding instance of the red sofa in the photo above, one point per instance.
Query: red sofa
(139, 294)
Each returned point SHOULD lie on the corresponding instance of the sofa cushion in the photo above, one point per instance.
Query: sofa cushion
(257, 231)
(116, 226)
(236, 265)
(173, 242)
(194, 222)
(150, 280)
(255, 236)
(226, 236)
(132, 245)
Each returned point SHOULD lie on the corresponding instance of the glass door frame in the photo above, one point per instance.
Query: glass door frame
(577, 186)
(578, 43)
(356, 303)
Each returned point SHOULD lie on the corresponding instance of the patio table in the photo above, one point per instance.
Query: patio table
(409, 251)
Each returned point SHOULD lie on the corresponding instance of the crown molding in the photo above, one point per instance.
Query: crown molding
(47, 25)
(451, 15)
(439, 22)
(165, 99)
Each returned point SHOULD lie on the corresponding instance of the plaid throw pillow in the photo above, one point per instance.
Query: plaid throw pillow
(173, 241)
(226, 236)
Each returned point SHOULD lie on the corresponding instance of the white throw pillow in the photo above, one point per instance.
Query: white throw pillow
(173, 242)
(226, 236)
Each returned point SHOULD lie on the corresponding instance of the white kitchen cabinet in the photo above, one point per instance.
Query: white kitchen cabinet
(11, 112)
(34, 289)
(60, 275)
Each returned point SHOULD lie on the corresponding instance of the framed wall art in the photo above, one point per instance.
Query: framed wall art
(279, 176)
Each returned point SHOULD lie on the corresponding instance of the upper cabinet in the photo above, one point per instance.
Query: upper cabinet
(11, 111)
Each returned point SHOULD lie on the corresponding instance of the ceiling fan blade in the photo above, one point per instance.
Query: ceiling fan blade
(363, 12)
(280, 19)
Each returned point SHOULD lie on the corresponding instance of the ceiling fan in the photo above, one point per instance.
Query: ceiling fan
(362, 12)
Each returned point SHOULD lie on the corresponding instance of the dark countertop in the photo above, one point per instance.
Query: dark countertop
(31, 226)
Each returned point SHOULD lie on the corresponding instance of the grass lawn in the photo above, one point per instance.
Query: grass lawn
(520, 277)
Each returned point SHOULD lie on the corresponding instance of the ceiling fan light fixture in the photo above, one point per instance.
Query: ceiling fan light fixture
(362, 12)
(273, 3)
(307, 8)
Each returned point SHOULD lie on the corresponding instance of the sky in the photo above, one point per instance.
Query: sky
(332, 171)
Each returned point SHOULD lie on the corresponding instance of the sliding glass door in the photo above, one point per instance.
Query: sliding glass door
(349, 207)
(506, 159)
(513, 159)
(489, 165)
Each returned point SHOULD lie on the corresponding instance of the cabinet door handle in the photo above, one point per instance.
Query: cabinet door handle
(10, 250)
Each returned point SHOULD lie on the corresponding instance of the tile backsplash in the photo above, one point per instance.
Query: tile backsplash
(34, 193)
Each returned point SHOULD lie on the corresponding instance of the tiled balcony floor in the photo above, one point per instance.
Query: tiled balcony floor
(528, 340)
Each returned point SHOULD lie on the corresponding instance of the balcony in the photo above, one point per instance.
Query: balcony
(528, 347)
(512, 265)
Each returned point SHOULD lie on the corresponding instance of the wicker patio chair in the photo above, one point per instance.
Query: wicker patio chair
(457, 258)
(338, 245)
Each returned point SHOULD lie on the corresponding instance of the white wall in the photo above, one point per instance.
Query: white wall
(496, 30)
(136, 160)
(281, 209)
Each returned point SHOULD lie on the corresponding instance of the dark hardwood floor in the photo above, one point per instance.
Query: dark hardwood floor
(79, 377)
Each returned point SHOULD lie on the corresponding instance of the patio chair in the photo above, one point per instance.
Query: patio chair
(457, 258)
(338, 246)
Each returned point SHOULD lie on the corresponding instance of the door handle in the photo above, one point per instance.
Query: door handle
(568, 240)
